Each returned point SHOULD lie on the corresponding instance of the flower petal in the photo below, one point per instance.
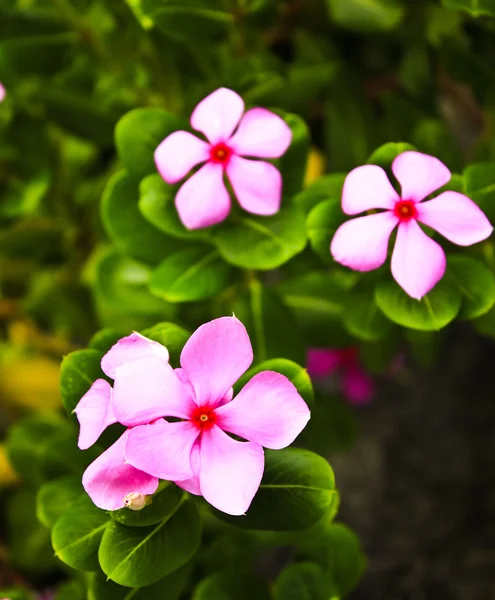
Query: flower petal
(3, 92)
(162, 449)
(218, 115)
(178, 154)
(362, 243)
(108, 480)
(147, 389)
(132, 347)
(418, 262)
(94, 413)
(365, 188)
(192, 485)
(268, 410)
(261, 133)
(456, 217)
(357, 386)
(214, 358)
(257, 185)
(419, 174)
(230, 471)
(203, 200)
(321, 362)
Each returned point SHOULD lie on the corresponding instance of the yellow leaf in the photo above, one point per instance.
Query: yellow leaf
(7, 474)
(315, 167)
(31, 382)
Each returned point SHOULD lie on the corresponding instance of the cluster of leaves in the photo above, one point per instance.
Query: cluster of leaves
(90, 237)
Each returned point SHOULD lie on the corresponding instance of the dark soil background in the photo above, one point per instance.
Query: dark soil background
(419, 486)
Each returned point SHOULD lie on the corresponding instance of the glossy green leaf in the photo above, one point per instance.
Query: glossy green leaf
(325, 187)
(362, 317)
(384, 155)
(197, 273)
(297, 490)
(476, 284)
(78, 372)
(344, 558)
(104, 339)
(55, 497)
(125, 225)
(434, 311)
(366, 15)
(77, 533)
(171, 336)
(157, 205)
(253, 242)
(304, 581)
(140, 556)
(477, 8)
(322, 223)
(479, 185)
(163, 505)
(137, 135)
(231, 585)
(296, 374)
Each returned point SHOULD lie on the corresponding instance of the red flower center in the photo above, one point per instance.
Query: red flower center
(405, 210)
(220, 153)
(203, 417)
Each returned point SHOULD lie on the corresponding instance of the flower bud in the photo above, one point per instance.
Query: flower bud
(135, 501)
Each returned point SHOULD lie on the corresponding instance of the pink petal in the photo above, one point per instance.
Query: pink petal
(218, 115)
(230, 471)
(203, 200)
(214, 358)
(268, 410)
(257, 185)
(456, 217)
(365, 188)
(108, 480)
(419, 174)
(94, 413)
(3, 92)
(192, 485)
(261, 133)
(131, 348)
(322, 361)
(362, 243)
(418, 262)
(178, 154)
(162, 449)
(357, 386)
(148, 389)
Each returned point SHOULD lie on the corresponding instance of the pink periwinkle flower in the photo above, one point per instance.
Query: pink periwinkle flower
(203, 200)
(195, 451)
(418, 262)
(3, 92)
(356, 385)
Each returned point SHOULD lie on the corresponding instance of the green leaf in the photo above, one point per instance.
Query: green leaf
(78, 372)
(475, 282)
(157, 205)
(197, 273)
(140, 556)
(434, 311)
(362, 317)
(344, 558)
(293, 162)
(479, 185)
(163, 504)
(385, 155)
(171, 336)
(366, 15)
(264, 243)
(325, 187)
(77, 533)
(486, 324)
(168, 588)
(296, 374)
(137, 135)
(332, 427)
(104, 339)
(322, 223)
(424, 346)
(297, 490)
(304, 581)
(232, 585)
(126, 227)
(477, 8)
(55, 497)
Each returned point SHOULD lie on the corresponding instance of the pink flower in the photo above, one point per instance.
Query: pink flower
(203, 200)
(357, 386)
(195, 451)
(418, 263)
(3, 92)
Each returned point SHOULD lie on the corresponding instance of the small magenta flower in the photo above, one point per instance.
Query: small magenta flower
(194, 451)
(356, 385)
(418, 262)
(3, 92)
(203, 200)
